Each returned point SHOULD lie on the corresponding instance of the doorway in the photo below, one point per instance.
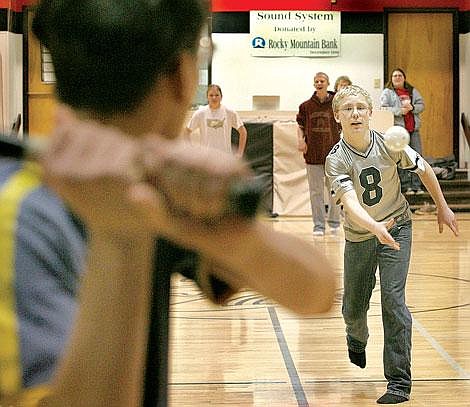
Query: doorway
(424, 43)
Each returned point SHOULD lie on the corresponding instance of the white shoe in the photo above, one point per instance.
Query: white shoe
(318, 233)
(334, 230)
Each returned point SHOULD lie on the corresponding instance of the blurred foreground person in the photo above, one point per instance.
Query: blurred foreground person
(126, 74)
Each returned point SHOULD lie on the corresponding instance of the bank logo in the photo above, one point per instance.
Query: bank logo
(258, 42)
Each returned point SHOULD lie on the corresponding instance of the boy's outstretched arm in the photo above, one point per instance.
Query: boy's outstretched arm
(445, 216)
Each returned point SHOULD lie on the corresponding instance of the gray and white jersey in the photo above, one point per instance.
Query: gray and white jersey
(373, 175)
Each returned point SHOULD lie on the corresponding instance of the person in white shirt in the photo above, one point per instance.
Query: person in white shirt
(215, 122)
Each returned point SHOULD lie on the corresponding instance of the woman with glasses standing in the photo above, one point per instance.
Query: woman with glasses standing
(406, 104)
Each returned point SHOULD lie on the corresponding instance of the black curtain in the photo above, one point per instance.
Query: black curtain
(259, 154)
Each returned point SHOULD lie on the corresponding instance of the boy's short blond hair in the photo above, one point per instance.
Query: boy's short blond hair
(351, 90)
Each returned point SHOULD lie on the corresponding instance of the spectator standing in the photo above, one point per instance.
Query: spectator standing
(317, 133)
(215, 122)
(406, 104)
(341, 82)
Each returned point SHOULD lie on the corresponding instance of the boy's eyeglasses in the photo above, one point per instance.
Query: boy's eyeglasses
(362, 110)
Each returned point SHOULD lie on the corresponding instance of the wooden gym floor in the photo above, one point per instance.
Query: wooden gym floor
(252, 352)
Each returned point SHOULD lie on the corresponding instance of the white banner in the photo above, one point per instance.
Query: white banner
(295, 33)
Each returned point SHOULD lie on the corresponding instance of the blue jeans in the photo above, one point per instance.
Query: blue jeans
(316, 184)
(360, 263)
(409, 179)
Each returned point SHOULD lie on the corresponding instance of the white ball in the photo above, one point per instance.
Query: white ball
(396, 138)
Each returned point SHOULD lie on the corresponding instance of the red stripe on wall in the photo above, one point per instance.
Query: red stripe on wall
(5, 3)
(341, 5)
(15, 5)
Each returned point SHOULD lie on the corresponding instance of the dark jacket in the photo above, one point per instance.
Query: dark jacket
(321, 132)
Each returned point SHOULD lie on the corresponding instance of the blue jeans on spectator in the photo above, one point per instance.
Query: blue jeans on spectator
(360, 263)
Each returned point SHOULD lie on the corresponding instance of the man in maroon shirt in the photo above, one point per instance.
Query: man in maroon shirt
(317, 133)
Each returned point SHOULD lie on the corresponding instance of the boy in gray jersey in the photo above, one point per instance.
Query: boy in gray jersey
(362, 175)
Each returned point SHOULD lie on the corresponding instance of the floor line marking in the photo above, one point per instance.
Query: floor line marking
(289, 363)
(449, 359)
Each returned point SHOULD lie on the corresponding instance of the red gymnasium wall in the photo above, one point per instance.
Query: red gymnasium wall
(15, 5)
(340, 5)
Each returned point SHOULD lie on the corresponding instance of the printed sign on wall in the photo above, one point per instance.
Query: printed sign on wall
(295, 33)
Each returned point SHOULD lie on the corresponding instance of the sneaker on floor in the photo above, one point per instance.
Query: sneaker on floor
(409, 191)
(419, 192)
(389, 398)
(334, 230)
(318, 233)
